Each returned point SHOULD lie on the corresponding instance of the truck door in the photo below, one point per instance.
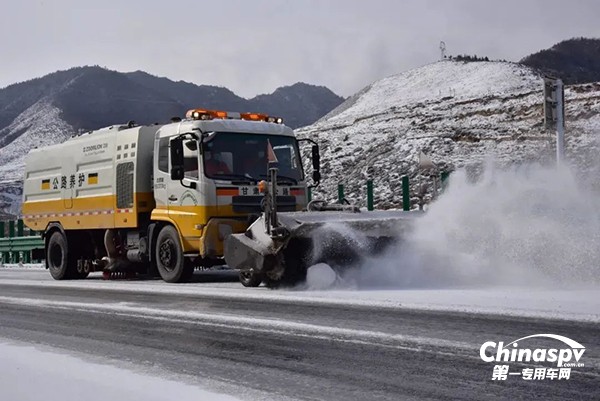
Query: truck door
(172, 195)
(161, 176)
(181, 197)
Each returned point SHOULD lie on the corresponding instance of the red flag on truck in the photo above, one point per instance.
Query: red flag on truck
(271, 156)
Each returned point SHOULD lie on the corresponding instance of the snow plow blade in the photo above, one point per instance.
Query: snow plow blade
(302, 239)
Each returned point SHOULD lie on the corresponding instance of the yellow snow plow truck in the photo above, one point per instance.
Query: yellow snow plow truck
(214, 188)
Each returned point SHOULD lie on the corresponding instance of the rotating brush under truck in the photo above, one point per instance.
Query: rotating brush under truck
(217, 187)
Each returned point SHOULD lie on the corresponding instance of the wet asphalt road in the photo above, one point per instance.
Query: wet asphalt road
(284, 349)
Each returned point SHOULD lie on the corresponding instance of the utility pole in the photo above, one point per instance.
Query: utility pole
(560, 122)
(554, 113)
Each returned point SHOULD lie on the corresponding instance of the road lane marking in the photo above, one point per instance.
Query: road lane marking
(260, 325)
(567, 312)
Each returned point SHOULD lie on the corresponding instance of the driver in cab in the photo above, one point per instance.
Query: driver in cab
(213, 165)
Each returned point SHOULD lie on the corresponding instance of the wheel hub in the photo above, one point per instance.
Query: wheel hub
(56, 256)
(166, 253)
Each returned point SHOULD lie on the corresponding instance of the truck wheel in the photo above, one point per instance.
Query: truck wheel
(169, 256)
(250, 279)
(57, 255)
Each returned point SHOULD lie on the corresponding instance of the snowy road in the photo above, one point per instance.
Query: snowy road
(262, 344)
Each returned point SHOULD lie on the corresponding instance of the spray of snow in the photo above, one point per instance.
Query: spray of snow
(529, 226)
(320, 277)
(339, 244)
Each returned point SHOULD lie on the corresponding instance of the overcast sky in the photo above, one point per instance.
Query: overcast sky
(255, 46)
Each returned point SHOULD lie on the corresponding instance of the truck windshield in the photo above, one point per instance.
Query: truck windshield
(231, 155)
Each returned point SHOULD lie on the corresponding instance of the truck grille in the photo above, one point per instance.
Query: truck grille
(252, 204)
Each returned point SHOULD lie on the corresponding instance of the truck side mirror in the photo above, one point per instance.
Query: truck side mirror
(316, 162)
(177, 170)
(316, 158)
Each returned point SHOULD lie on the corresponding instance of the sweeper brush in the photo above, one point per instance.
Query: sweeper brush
(278, 248)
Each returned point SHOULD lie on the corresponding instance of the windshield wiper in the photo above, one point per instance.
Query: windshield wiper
(246, 177)
(284, 177)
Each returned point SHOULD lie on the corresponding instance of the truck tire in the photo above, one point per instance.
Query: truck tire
(170, 261)
(250, 279)
(57, 255)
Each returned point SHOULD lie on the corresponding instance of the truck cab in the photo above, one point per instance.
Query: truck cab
(206, 176)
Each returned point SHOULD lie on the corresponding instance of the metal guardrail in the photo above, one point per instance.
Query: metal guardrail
(407, 203)
(17, 243)
(20, 244)
(16, 249)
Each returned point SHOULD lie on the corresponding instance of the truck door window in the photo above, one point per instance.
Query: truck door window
(286, 155)
(163, 155)
(190, 159)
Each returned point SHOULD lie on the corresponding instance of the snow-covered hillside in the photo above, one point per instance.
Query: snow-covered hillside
(460, 114)
(40, 125)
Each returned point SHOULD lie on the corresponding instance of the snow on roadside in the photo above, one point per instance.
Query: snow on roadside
(581, 304)
(25, 266)
(30, 373)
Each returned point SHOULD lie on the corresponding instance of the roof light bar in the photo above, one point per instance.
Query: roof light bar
(202, 114)
(254, 116)
(276, 120)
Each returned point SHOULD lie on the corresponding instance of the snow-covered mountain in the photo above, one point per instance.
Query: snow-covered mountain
(39, 125)
(575, 61)
(460, 114)
(50, 109)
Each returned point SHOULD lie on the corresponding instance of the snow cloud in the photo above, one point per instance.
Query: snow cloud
(528, 226)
